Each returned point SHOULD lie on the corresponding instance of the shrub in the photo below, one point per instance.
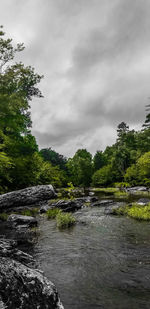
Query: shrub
(65, 220)
(121, 185)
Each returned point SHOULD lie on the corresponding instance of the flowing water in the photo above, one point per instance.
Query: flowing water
(102, 262)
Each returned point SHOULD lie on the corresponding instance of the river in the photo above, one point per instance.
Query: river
(102, 262)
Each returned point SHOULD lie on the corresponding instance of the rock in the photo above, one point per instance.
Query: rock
(16, 220)
(66, 206)
(44, 208)
(28, 196)
(143, 201)
(136, 189)
(21, 286)
(91, 193)
(103, 203)
(110, 209)
(87, 199)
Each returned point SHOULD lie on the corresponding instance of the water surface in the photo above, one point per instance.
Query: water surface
(103, 262)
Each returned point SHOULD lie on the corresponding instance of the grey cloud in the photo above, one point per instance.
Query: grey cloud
(95, 59)
(125, 34)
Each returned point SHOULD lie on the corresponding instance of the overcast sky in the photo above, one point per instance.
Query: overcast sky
(95, 58)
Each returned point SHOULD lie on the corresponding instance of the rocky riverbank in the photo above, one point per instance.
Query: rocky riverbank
(22, 286)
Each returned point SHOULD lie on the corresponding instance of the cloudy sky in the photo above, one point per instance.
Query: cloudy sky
(95, 58)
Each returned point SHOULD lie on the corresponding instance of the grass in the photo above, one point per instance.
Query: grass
(142, 193)
(121, 194)
(30, 212)
(52, 213)
(139, 212)
(87, 204)
(65, 220)
(105, 190)
(135, 211)
(3, 216)
(123, 210)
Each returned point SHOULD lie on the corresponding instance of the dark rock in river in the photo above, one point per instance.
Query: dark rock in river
(66, 206)
(103, 203)
(136, 189)
(16, 220)
(110, 209)
(21, 286)
(143, 201)
(28, 196)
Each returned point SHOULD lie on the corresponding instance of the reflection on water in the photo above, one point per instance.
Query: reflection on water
(101, 264)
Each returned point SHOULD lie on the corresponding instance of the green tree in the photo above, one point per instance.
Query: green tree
(80, 168)
(54, 157)
(102, 177)
(147, 120)
(99, 160)
(17, 88)
(122, 129)
(139, 173)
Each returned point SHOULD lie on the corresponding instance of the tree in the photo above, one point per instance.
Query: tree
(54, 157)
(139, 173)
(146, 124)
(80, 168)
(17, 88)
(122, 129)
(120, 162)
(99, 160)
(103, 176)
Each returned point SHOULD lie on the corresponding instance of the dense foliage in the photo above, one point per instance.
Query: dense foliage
(22, 164)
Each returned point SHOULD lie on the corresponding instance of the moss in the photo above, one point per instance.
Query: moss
(52, 213)
(65, 220)
(105, 190)
(121, 194)
(30, 212)
(3, 216)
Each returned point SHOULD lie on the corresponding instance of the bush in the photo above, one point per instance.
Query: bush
(65, 220)
(121, 185)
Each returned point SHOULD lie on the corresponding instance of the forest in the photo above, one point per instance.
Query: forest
(22, 164)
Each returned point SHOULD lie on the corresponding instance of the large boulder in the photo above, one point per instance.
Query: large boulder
(28, 196)
(21, 286)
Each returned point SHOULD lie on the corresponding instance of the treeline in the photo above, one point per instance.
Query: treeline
(21, 162)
